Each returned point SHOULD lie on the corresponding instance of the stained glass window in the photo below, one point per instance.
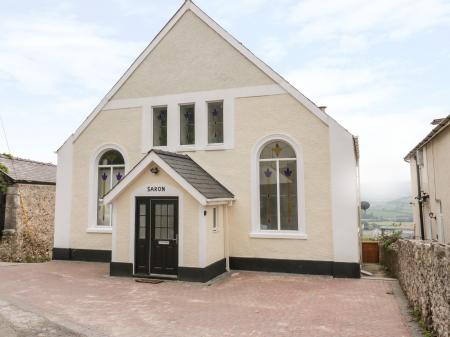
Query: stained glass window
(160, 126)
(187, 124)
(215, 122)
(111, 170)
(278, 187)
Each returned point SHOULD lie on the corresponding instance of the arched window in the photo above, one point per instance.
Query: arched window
(278, 187)
(111, 169)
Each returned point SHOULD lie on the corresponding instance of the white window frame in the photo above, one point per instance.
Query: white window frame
(256, 231)
(111, 180)
(93, 186)
(215, 219)
(152, 112)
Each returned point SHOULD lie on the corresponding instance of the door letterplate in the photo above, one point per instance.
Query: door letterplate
(163, 242)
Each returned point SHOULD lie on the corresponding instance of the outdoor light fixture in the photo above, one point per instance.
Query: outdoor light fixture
(154, 170)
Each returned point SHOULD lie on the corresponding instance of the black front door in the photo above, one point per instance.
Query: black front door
(156, 236)
(164, 243)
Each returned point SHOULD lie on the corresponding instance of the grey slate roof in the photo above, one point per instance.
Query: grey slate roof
(25, 170)
(195, 175)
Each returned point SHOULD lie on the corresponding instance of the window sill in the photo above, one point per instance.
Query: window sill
(187, 148)
(216, 147)
(278, 235)
(106, 230)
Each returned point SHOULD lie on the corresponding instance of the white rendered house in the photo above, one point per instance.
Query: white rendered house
(202, 159)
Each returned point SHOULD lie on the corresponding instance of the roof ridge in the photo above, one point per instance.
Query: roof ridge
(12, 158)
(172, 154)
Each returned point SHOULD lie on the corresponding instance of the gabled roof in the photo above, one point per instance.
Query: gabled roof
(190, 6)
(29, 171)
(185, 171)
(443, 123)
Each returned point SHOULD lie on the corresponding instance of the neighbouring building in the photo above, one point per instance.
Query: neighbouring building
(430, 183)
(29, 197)
(201, 159)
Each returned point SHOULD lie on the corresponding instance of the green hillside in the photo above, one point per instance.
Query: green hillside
(398, 210)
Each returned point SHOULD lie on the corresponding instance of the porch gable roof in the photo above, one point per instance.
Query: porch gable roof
(185, 171)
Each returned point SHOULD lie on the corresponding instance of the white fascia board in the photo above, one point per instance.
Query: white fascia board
(152, 157)
(220, 201)
(188, 5)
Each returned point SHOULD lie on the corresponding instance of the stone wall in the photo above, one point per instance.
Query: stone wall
(423, 270)
(29, 219)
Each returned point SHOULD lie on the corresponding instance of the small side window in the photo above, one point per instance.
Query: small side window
(215, 224)
(215, 122)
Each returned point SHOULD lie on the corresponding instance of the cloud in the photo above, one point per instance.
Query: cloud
(344, 86)
(45, 54)
(386, 138)
(350, 19)
(361, 98)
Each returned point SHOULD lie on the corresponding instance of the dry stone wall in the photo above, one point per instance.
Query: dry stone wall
(423, 270)
(29, 222)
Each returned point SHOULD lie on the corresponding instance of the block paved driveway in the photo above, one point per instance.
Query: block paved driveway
(82, 296)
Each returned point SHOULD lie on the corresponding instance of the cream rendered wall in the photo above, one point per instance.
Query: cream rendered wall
(438, 182)
(120, 127)
(191, 57)
(215, 248)
(124, 219)
(256, 117)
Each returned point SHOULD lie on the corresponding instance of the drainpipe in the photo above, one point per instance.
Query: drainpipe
(419, 199)
(226, 235)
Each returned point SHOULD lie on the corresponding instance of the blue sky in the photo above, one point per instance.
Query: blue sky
(382, 67)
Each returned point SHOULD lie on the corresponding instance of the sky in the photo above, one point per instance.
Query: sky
(381, 67)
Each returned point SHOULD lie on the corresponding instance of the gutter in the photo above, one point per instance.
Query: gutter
(440, 127)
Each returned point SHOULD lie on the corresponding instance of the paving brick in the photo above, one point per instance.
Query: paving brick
(243, 304)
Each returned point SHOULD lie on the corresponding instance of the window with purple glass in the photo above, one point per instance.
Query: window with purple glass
(278, 187)
(215, 122)
(160, 126)
(187, 124)
(111, 170)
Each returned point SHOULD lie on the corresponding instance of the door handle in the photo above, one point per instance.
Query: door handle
(176, 239)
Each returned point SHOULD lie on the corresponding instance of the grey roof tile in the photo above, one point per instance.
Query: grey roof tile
(25, 170)
(195, 175)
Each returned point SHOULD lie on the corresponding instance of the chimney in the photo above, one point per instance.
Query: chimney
(437, 121)
(323, 108)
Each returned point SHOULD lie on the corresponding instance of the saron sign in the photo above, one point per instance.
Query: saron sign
(156, 188)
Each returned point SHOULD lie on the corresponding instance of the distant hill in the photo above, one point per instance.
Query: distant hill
(397, 210)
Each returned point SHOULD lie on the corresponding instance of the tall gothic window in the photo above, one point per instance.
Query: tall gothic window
(111, 169)
(278, 187)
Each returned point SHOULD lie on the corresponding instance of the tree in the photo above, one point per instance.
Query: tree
(365, 205)
(3, 179)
